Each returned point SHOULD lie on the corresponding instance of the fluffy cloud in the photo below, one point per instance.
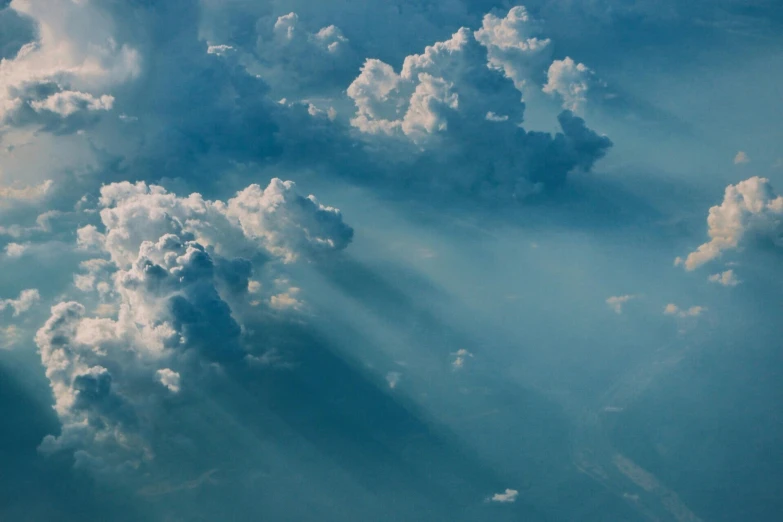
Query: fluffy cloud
(285, 222)
(459, 112)
(26, 300)
(727, 278)
(750, 212)
(171, 271)
(276, 218)
(66, 71)
(513, 46)
(616, 302)
(673, 309)
(169, 379)
(570, 81)
(508, 496)
(296, 62)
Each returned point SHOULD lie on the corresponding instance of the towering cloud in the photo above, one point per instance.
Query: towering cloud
(173, 280)
(751, 212)
(458, 109)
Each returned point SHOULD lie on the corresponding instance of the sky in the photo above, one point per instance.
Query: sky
(454, 260)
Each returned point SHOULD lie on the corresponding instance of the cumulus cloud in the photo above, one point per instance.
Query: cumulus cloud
(751, 212)
(570, 81)
(727, 278)
(169, 378)
(297, 62)
(616, 302)
(67, 69)
(508, 496)
(462, 114)
(176, 274)
(26, 300)
(275, 218)
(513, 46)
(287, 223)
(673, 309)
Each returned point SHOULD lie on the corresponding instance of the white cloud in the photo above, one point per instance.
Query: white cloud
(26, 300)
(571, 81)
(68, 68)
(459, 360)
(741, 158)
(512, 44)
(286, 300)
(65, 103)
(28, 194)
(727, 278)
(16, 249)
(750, 211)
(693, 311)
(616, 302)
(442, 105)
(169, 378)
(508, 496)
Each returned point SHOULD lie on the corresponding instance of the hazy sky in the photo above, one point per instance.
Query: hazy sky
(391, 260)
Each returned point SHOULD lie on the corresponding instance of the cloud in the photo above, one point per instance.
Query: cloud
(616, 302)
(276, 218)
(176, 274)
(299, 63)
(727, 278)
(571, 81)
(460, 118)
(67, 69)
(459, 360)
(169, 378)
(15, 249)
(508, 496)
(750, 212)
(513, 46)
(393, 379)
(693, 311)
(741, 158)
(28, 194)
(287, 223)
(66, 103)
(26, 300)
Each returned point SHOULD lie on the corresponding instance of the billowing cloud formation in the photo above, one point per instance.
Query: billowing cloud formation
(461, 113)
(276, 219)
(25, 301)
(67, 70)
(296, 62)
(174, 281)
(750, 212)
(570, 81)
(512, 44)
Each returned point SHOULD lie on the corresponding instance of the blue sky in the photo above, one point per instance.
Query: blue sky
(391, 260)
